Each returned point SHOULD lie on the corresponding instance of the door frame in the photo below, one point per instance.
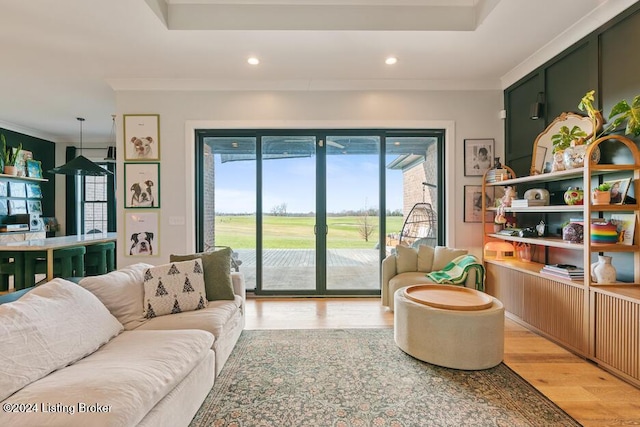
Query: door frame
(321, 134)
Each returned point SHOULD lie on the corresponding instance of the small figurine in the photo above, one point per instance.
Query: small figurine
(509, 194)
(558, 162)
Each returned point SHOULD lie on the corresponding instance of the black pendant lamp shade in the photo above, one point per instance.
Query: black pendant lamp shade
(80, 165)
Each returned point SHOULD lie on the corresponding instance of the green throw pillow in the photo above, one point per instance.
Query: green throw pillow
(217, 272)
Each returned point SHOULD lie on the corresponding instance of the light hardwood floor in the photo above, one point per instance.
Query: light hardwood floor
(589, 394)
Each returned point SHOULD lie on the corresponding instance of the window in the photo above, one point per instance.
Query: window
(98, 207)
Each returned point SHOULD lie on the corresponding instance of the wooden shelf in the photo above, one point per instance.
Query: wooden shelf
(568, 208)
(23, 178)
(597, 321)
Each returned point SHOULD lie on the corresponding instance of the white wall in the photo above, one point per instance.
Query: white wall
(464, 114)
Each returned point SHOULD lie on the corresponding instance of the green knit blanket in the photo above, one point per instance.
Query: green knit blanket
(456, 272)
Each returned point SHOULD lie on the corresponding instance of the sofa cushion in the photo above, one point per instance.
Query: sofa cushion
(444, 256)
(122, 292)
(50, 327)
(217, 272)
(212, 319)
(425, 258)
(406, 259)
(173, 288)
(129, 375)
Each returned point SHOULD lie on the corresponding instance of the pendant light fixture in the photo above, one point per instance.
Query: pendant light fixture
(111, 150)
(80, 165)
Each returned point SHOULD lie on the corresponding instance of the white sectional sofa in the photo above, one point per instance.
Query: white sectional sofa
(84, 355)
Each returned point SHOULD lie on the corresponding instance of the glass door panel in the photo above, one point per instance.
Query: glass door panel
(412, 193)
(229, 200)
(288, 213)
(353, 214)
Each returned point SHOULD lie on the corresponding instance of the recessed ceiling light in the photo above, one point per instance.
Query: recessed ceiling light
(253, 60)
(391, 60)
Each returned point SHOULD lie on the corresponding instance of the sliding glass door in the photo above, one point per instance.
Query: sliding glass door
(289, 224)
(315, 212)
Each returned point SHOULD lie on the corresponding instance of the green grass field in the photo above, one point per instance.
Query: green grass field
(293, 232)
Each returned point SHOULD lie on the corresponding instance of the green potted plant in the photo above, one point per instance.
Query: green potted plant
(9, 157)
(601, 195)
(563, 139)
(620, 113)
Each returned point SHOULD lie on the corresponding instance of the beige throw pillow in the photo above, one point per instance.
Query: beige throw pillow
(406, 259)
(444, 256)
(425, 258)
(217, 272)
(174, 288)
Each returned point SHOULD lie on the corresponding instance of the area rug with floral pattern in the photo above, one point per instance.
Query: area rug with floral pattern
(359, 377)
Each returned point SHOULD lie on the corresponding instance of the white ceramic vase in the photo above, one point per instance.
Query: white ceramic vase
(603, 271)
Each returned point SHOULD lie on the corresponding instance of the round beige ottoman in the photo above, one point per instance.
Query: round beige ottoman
(466, 338)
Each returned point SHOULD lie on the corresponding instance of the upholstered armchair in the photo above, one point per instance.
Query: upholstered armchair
(409, 266)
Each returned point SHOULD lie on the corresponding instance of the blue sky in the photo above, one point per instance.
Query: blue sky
(352, 184)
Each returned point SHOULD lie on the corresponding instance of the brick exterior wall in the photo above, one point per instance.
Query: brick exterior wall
(209, 199)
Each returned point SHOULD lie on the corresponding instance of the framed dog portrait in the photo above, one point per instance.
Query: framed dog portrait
(478, 156)
(141, 185)
(141, 234)
(141, 137)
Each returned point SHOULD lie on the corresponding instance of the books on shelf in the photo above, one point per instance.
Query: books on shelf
(497, 175)
(564, 271)
(525, 203)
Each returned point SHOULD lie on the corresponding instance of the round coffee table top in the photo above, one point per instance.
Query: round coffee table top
(449, 297)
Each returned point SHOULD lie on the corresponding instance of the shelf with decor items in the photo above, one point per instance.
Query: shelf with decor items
(22, 178)
(597, 321)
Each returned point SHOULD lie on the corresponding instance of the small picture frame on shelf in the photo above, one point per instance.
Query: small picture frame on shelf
(17, 207)
(34, 168)
(4, 190)
(34, 207)
(478, 156)
(21, 161)
(17, 189)
(619, 190)
(473, 203)
(33, 190)
(626, 226)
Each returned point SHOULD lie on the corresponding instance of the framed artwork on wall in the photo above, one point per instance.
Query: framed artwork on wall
(478, 156)
(141, 137)
(473, 203)
(142, 185)
(141, 234)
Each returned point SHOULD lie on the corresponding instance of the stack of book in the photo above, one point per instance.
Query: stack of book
(497, 175)
(525, 203)
(564, 271)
